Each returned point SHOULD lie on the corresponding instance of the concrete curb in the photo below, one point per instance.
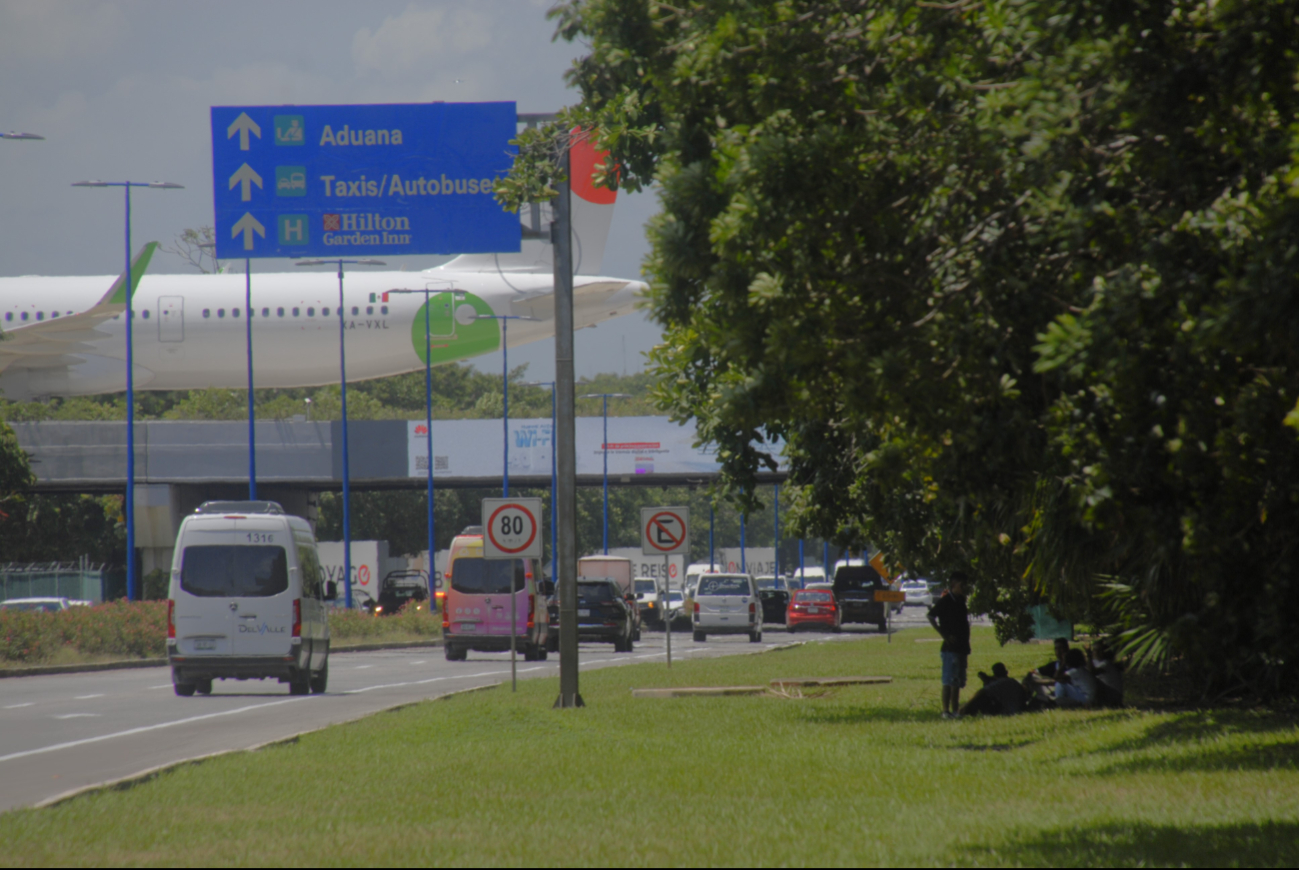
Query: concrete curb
(124, 782)
(45, 670)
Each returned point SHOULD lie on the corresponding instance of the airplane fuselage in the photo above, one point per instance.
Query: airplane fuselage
(189, 330)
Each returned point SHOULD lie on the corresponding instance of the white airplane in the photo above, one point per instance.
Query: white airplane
(66, 336)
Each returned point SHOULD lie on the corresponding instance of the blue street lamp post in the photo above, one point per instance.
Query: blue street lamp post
(605, 443)
(554, 479)
(428, 427)
(342, 367)
(505, 386)
(132, 591)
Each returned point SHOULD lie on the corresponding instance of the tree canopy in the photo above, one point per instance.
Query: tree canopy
(1014, 281)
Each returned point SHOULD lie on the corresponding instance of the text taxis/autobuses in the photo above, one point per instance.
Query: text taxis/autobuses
(476, 612)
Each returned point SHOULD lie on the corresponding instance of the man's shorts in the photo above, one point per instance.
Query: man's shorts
(954, 669)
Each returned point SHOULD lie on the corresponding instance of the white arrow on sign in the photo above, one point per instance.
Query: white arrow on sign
(242, 125)
(248, 225)
(247, 177)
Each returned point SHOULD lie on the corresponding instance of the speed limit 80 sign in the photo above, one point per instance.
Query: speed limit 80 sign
(512, 528)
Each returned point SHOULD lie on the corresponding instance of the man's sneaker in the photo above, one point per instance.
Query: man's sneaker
(947, 715)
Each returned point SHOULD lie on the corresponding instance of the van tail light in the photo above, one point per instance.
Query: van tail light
(297, 617)
(752, 611)
(696, 607)
(446, 618)
(532, 607)
(171, 619)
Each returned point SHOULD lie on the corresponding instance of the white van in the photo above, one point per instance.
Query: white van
(726, 604)
(247, 600)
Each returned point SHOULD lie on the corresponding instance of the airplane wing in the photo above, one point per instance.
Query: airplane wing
(49, 343)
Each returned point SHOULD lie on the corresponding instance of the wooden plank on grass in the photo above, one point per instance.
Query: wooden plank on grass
(693, 691)
(786, 682)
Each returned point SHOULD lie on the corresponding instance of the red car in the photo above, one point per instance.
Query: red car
(811, 607)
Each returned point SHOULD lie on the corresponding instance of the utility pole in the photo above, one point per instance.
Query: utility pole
(565, 441)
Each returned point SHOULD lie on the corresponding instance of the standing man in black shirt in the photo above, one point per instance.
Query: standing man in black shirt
(951, 619)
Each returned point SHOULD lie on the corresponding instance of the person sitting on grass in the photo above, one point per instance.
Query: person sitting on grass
(1109, 675)
(1039, 683)
(1000, 695)
(1076, 687)
(951, 619)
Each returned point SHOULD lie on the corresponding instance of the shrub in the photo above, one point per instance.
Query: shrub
(128, 629)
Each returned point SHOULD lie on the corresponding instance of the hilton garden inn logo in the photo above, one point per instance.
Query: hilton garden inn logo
(365, 228)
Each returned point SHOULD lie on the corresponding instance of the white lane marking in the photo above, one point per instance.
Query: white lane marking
(420, 662)
(419, 682)
(86, 697)
(362, 667)
(78, 716)
(143, 729)
(16, 706)
(163, 686)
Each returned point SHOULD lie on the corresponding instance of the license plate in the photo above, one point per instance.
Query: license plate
(584, 613)
(204, 643)
(468, 626)
(814, 610)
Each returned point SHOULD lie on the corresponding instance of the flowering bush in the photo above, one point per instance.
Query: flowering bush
(127, 629)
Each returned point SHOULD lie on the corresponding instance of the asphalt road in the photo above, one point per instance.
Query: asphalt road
(63, 732)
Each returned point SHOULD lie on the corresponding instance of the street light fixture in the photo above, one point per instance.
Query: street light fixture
(13, 135)
(554, 477)
(605, 445)
(505, 383)
(131, 580)
(342, 366)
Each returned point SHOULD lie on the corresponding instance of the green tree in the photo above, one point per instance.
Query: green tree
(1014, 281)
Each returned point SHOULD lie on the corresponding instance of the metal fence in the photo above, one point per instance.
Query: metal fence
(77, 580)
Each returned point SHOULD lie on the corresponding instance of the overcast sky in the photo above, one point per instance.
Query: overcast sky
(121, 90)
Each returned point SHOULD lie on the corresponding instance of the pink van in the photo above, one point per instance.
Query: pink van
(475, 598)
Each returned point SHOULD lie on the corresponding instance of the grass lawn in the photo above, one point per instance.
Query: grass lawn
(861, 775)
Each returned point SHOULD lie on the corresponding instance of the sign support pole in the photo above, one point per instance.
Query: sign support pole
(667, 605)
(565, 442)
(248, 330)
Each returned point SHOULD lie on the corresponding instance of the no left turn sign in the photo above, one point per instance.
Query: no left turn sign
(510, 528)
(664, 531)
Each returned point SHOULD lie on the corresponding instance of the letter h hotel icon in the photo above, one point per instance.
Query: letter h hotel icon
(293, 229)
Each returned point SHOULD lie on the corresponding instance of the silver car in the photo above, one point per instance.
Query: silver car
(917, 592)
(727, 604)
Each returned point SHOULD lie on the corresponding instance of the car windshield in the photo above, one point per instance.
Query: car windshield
(43, 606)
(675, 596)
(477, 576)
(234, 571)
(812, 596)
(595, 593)
(912, 584)
(714, 584)
(645, 586)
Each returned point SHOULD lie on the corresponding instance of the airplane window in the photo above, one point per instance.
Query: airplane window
(234, 312)
(355, 311)
(266, 312)
(207, 312)
(383, 309)
(295, 312)
(324, 312)
(40, 315)
(145, 314)
(221, 312)
(56, 314)
(311, 312)
(279, 312)
(9, 316)
(369, 309)
(23, 316)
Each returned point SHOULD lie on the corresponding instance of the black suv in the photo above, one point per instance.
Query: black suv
(854, 590)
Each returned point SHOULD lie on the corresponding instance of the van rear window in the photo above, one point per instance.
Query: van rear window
(715, 585)
(482, 577)
(233, 571)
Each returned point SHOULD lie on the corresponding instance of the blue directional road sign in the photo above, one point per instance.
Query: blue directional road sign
(349, 181)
